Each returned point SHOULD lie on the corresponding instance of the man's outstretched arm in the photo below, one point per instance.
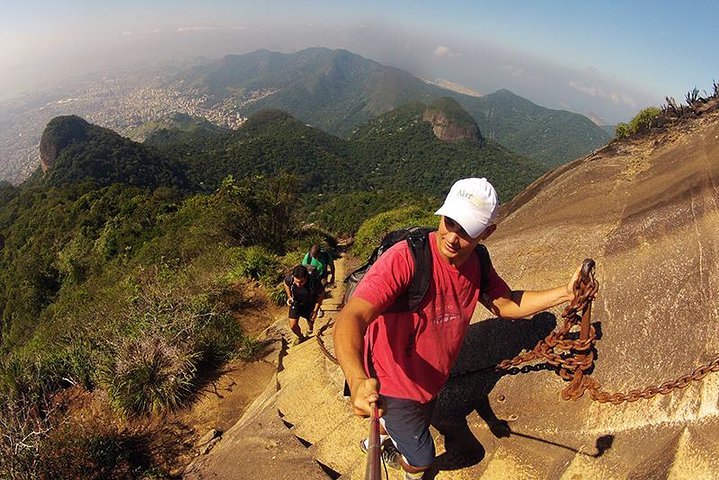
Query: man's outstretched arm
(349, 330)
(524, 303)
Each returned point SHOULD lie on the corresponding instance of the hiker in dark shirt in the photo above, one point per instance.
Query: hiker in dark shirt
(305, 293)
(321, 264)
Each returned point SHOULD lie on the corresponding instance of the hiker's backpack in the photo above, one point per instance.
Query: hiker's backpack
(418, 240)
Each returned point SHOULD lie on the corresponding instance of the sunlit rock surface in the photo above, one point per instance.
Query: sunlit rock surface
(647, 212)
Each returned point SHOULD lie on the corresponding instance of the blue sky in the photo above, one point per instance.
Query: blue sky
(604, 59)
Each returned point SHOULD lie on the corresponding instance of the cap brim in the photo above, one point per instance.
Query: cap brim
(470, 224)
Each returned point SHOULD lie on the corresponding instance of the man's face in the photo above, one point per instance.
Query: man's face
(454, 243)
(300, 282)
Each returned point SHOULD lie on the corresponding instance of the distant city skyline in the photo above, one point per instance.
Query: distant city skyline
(606, 60)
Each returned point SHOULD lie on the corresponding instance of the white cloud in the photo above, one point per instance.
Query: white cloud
(616, 98)
(514, 72)
(129, 33)
(195, 28)
(442, 51)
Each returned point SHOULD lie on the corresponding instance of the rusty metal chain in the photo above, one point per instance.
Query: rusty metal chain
(576, 367)
(573, 359)
(651, 391)
(321, 342)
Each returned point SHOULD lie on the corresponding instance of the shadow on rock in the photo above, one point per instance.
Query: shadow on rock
(473, 377)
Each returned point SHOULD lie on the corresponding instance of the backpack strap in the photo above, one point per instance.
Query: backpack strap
(422, 254)
(485, 267)
(421, 250)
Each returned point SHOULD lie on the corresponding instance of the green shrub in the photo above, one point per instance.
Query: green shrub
(373, 229)
(622, 130)
(29, 375)
(75, 260)
(308, 235)
(641, 122)
(81, 359)
(342, 214)
(221, 339)
(257, 211)
(644, 120)
(254, 263)
(173, 334)
(277, 295)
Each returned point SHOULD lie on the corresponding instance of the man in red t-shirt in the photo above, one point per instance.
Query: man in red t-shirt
(411, 353)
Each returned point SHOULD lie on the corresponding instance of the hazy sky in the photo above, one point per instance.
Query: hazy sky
(607, 59)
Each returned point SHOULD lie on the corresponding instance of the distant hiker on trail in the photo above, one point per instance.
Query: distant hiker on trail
(305, 293)
(322, 261)
(402, 359)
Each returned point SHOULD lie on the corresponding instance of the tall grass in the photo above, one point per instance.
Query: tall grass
(143, 303)
(151, 375)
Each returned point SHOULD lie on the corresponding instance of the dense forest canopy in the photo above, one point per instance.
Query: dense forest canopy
(106, 199)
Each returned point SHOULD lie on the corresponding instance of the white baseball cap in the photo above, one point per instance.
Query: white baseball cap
(471, 202)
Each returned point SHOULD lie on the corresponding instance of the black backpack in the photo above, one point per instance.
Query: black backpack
(418, 240)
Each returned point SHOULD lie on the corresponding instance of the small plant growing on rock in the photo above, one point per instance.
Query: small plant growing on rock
(642, 122)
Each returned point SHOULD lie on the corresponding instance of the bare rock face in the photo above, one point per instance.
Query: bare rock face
(59, 133)
(451, 123)
(449, 130)
(647, 210)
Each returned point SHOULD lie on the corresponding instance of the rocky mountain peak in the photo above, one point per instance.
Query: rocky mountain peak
(59, 133)
(450, 123)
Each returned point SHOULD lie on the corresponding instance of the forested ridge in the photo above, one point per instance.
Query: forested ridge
(339, 91)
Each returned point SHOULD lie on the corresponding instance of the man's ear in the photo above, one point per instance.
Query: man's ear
(488, 231)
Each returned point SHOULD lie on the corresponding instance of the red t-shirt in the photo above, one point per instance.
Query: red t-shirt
(413, 352)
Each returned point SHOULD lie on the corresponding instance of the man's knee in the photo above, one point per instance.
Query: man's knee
(420, 462)
(412, 469)
(414, 475)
